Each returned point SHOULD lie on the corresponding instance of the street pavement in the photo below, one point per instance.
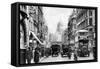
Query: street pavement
(59, 58)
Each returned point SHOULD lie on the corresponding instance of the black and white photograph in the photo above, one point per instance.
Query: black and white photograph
(56, 34)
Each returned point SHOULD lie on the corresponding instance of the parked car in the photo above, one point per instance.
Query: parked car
(55, 50)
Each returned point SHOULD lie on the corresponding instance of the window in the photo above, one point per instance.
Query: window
(90, 29)
(90, 12)
(90, 21)
(82, 33)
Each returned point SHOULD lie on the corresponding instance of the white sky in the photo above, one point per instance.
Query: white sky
(53, 15)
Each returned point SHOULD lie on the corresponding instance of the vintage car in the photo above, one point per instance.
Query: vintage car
(47, 52)
(66, 51)
(55, 50)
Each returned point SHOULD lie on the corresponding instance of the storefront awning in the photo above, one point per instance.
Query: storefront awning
(37, 38)
(81, 31)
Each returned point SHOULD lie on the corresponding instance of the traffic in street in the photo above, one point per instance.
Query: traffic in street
(56, 34)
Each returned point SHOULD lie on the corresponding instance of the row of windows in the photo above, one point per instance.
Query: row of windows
(85, 23)
(81, 17)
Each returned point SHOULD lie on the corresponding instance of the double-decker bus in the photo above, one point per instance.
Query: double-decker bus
(82, 43)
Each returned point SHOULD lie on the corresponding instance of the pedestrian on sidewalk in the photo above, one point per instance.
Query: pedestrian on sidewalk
(29, 55)
(36, 55)
(75, 54)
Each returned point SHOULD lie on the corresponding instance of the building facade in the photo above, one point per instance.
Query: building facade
(86, 21)
(72, 29)
(81, 19)
(65, 36)
(34, 24)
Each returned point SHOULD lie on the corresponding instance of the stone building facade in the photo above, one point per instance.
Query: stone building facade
(65, 37)
(86, 20)
(72, 29)
(34, 23)
(81, 19)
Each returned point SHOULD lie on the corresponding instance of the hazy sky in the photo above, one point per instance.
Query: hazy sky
(54, 15)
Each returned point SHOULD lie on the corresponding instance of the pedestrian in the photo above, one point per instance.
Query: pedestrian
(29, 55)
(75, 54)
(69, 53)
(94, 52)
(36, 55)
(35, 51)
